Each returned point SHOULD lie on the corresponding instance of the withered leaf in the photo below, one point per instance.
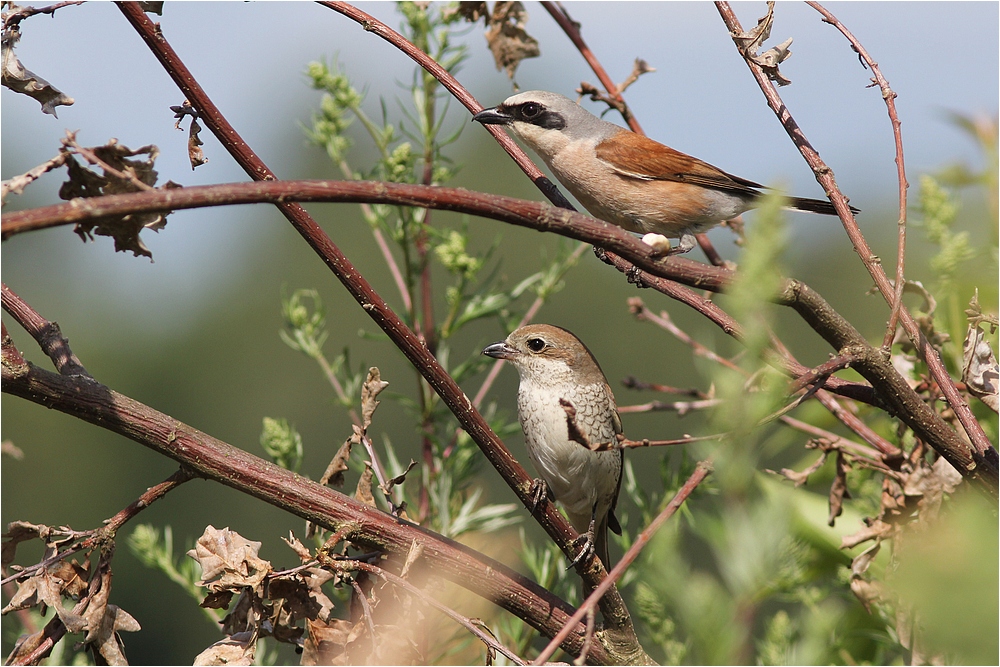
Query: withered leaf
(838, 489)
(295, 592)
(108, 643)
(195, 154)
(217, 600)
(237, 649)
(470, 11)
(334, 473)
(364, 490)
(751, 41)
(326, 642)
(296, 545)
(24, 81)
(139, 174)
(369, 391)
(246, 613)
(507, 38)
(398, 479)
(228, 560)
(151, 7)
(21, 531)
(980, 370)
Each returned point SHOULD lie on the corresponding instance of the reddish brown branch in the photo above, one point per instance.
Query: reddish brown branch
(46, 334)
(983, 459)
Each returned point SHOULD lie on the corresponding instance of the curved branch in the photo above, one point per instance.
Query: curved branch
(890, 102)
(984, 456)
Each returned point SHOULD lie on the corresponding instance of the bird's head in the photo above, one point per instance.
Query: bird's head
(548, 354)
(546, 121)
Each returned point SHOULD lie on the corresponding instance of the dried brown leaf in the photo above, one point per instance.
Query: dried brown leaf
(326, 641)
(228, 560)
(372, 387)
(398, 479)
(980, 370)
(866, 591)
(195, 154)
(750, 42)
(364, 491)
(132, 175)
(217, 600)
(21, 531)
(112, 621)
(301, 550)
(470, 11)
(334, 474)
(507, 38)
(24, 81)
(237, 649)
(246, 613)
(838, 489)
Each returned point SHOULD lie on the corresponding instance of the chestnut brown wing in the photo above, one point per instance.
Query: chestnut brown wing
(635, 156)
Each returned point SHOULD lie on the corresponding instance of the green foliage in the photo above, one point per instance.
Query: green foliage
(940, 210)
(282, 443)
(157, 552)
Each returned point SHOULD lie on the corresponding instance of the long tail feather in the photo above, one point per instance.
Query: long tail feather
(820, 206)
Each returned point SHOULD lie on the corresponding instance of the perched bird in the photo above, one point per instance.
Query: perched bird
(564, 403)
(625, 178)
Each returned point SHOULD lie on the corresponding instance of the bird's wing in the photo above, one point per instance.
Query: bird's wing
(635, 156)
(613, 524)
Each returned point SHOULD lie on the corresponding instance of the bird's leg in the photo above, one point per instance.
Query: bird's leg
(539, 491)
(686, 244)
(588, 546)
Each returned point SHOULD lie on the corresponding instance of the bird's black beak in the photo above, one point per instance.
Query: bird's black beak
(494, 116)
(500, 350)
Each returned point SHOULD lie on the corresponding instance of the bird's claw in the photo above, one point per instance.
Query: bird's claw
(539, 491)
(587, 549)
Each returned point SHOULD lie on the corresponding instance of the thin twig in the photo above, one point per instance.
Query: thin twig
(47, 334)
(15, 17)
(819, 374)
(680, 407)
(890, 102)
(701, 471)
(94, 538)
(572, 30)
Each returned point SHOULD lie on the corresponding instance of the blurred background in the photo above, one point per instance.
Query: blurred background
(195, 332)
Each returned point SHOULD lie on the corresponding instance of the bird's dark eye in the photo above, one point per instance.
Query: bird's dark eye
(536, 344)
(530, 110)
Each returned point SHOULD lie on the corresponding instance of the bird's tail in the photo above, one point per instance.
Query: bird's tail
(821, 206)
(601, 541)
